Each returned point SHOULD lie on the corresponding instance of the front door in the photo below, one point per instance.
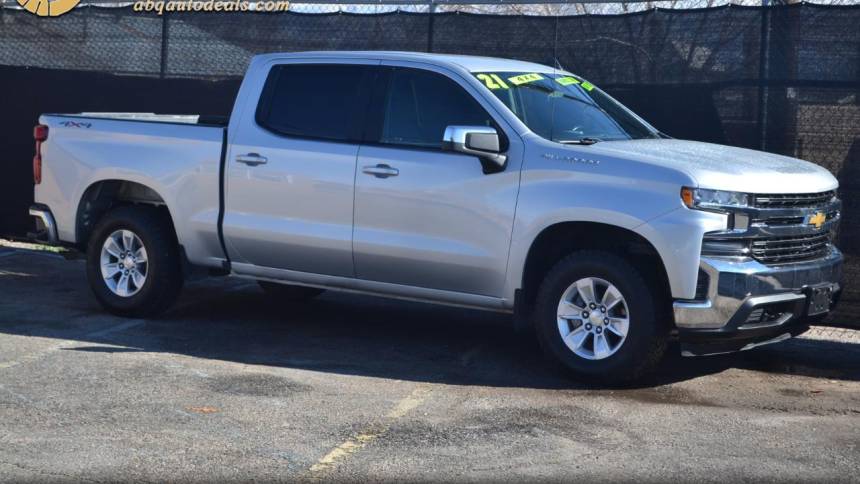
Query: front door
(427, 217)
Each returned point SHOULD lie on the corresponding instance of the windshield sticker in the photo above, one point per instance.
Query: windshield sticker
(567, 80)
(492, 81)
(499, 81)
(525, 79)
(587, 85)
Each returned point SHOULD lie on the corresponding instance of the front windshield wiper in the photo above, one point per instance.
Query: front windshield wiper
(580, 141)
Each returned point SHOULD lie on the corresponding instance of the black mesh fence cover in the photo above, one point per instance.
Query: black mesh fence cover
(724, 44)
(784, 79)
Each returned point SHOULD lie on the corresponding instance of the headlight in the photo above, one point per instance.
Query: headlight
(703, 199)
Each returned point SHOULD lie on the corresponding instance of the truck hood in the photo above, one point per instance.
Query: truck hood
(725, 167)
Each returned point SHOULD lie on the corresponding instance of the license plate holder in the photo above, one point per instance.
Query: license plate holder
(820, 299)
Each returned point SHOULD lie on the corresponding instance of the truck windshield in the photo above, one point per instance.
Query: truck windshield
(565, 108)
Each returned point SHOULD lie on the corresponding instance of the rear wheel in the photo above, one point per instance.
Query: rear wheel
(133, 262)
(288, 292)
(596, 316)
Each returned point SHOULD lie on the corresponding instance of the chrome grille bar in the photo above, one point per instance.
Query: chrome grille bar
(786, 249)
(792, 200)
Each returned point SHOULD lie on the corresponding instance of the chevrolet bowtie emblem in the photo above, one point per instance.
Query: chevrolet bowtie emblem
(818, 219)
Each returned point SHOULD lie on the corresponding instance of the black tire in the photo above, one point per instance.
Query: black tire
(647, 335)
(164, 271)
(287, 292)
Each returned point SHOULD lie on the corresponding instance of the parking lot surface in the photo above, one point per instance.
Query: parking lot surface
(233, 385)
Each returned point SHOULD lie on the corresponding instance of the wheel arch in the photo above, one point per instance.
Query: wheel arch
(558, 240)
(103, 195)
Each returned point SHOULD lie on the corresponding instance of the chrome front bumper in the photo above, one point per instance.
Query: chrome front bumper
(736, 287)
(46, 227)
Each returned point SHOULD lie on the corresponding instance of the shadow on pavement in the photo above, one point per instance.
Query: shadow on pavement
(358, 335)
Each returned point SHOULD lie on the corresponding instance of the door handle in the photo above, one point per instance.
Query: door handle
(252, 159)
(381, 171)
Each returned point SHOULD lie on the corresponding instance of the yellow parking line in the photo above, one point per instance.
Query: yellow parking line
(365, 437)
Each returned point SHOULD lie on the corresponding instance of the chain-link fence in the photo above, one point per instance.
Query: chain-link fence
(784, 79)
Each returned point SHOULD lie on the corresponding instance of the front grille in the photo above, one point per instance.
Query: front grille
(780, 229)
(790, 249)
(793, 200)
(783, 221)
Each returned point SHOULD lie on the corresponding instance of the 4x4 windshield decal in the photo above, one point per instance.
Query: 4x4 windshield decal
(525, 79)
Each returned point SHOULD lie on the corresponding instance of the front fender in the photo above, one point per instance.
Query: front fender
(677, 236)
(563, 185)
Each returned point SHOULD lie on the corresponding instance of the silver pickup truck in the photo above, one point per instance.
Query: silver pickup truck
(487, 183)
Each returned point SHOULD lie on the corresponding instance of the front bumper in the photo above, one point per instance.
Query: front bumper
(748, 303)
(46, 227)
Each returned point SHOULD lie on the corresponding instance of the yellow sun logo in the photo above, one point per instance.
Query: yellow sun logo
(48, 8)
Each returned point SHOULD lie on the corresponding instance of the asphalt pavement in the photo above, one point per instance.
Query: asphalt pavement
(232, 385)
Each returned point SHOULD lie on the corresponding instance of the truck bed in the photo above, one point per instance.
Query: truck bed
(177, 156)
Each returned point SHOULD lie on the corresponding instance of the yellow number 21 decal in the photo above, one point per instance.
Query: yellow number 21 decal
(492, 81)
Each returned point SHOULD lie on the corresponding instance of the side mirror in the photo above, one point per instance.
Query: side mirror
(480, 141)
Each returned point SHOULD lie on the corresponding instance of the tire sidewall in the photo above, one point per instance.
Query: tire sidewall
(155, 268)
(642, 329)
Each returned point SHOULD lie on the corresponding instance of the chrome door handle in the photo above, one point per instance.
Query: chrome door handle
(252, 159)
(381, 171)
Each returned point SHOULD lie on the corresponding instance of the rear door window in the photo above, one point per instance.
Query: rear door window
(319, 101)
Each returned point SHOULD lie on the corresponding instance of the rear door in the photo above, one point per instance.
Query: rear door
(423, 216)
(291, 169)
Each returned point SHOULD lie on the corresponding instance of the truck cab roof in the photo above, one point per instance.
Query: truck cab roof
(467, 62)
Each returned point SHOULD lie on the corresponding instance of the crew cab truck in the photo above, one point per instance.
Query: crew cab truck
(487, 183)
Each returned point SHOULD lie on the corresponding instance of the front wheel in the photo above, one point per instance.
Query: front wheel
(133, 262)
(596, 316)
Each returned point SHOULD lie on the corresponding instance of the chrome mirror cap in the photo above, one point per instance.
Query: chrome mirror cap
(480, 141)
